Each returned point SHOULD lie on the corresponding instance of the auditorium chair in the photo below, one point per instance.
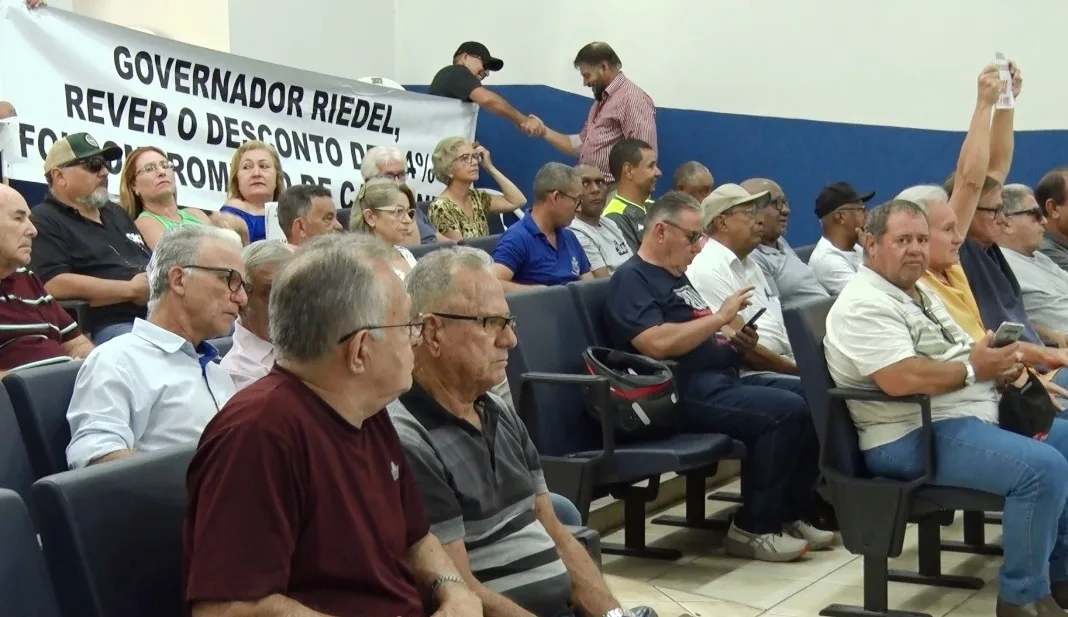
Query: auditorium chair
(424, 249)
(804, 252)
(79, 312)
(223, 344)
(485, 243)
(589, 298)
(25, 589)
(112, 535)
(874, 511)
(581, 457)
(16, 474)
(343, 216)
(40, 396)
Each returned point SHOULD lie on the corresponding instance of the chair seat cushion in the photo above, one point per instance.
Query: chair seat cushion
(637, 461)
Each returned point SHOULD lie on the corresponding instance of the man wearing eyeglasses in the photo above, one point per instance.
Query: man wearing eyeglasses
(158, 385)
(87, 248)
(1043, 284)
(476, 467)
(306, 211)
(540, 250)
(838, 254)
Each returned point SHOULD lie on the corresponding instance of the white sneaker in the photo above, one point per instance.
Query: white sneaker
(817, 538)
(776, 547)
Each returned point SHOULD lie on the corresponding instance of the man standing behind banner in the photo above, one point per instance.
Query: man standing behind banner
(462, 80)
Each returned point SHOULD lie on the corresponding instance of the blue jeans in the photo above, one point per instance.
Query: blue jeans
(107, 333)
(767, 413)
(1032, 475)
(566, 511)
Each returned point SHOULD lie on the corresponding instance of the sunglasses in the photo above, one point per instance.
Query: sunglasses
(1034, 213)
(92, 165)
(693, 237)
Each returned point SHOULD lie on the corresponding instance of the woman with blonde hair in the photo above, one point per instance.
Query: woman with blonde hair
(255, 179)
(149, 195)
(461, 210)
(387, 210)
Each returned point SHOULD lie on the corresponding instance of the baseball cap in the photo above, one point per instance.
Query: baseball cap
(78, 147)
(727, 196)
(834, 196)
(474, 48)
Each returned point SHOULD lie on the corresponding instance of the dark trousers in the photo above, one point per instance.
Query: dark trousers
(767, 413)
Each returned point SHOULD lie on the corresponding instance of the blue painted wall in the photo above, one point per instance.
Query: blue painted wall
(801, 155)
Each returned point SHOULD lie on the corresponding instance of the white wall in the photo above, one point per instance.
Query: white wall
(199, 22)
(908, 63)
(895, 62)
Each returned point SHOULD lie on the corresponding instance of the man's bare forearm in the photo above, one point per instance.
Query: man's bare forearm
(588, 589)
(561, 142)
(761, 358)
(1002, 144)
(972, 167)
(428, 561)
(96, 291)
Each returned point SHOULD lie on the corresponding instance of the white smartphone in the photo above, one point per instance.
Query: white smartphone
(1008, 332)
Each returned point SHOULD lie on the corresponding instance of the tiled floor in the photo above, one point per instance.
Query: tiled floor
(708, 583)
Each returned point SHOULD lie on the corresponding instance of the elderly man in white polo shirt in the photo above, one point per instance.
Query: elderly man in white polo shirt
(886, 333)
(158, 385)
(733, 225)
(252, 355)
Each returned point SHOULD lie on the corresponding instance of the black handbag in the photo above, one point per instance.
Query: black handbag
(1027, 410)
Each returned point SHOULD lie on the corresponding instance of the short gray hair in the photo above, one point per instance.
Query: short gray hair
(375, 157)
(178, 247)
(263, 253)
(555, 177)
(669, 206)
(923, 195)
(688, 170)
(879, 216)
(433, 277)
(328, 289)
(444, 156)
(1014, 196)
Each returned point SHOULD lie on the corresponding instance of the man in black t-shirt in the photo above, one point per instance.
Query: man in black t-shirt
(652, 309)
(87, 248)
(462, 80)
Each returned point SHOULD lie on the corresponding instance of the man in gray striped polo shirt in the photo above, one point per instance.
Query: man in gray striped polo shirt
(472, 459)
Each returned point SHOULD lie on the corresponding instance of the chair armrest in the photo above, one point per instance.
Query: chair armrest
(590, 540)
(922, 400)
(601, 392)
(79, 312)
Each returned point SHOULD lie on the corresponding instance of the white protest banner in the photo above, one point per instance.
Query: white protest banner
(66, 73)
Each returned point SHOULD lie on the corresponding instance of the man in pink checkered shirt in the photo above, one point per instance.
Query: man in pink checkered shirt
(621, 110)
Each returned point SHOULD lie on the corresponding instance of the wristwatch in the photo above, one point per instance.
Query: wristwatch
(969, 374)
(618, 612)
(446, 578)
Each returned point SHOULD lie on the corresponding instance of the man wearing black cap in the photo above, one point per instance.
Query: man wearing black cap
(838, 254)
(87, 248)
(462, 80)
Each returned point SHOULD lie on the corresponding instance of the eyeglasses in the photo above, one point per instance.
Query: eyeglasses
(489, 322)
(993, 212)
(693, 237)
(415, 330)
(152, 168)
(779, 203)
(93, 165)
(234, 281)
(926, 313)
(470, 158)
(396, 177)
(1034, 213)
(574, 198)
(398, 213)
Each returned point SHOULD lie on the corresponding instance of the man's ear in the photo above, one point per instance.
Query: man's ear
(431, 338)
(356, 351)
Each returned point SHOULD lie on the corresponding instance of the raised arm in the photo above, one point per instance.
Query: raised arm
(497, 104)
(512, 198)
(974, 158)
(1002, 139)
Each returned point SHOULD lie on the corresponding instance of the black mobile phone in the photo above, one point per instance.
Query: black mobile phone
(752, 322)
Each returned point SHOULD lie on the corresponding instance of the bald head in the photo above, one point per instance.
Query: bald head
(694, 179)
(16, 231)
(776, 214)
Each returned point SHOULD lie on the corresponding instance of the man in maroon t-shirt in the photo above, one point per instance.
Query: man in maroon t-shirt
(34, 329)
(301, 502)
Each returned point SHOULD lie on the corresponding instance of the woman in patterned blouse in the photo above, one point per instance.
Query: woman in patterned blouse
(460, 211)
